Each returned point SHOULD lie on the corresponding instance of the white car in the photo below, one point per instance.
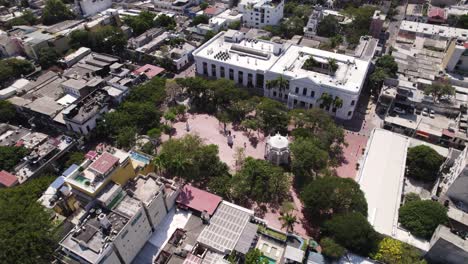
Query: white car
(399, 110)
(425, 112)
(432, 114)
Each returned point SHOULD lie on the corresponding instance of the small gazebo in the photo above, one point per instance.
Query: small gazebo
(277, 149)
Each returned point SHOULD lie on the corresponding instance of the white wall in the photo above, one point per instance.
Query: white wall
(133, 236)
(92, 7)
(252, 18)
(88, 125)
(346, 112)
(157, 210)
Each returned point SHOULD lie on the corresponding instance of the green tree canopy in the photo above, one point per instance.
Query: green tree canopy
(48, 57)
(423, 163)
(27, 236)
(385, 67)
(106, 39)
(438, 90)
(10, 156)
(328, 27)
(463, 21)
(211, 96)
(307, 159)
(392, 251)
(421, 218)
(27, 18)
(260, 181)
(139, 112)
(331, 249)
(333, 195)
(191, 160)
(140, 23)
(11, 69)
(55, 11)
(272, 116)
(201, 19)
(387, 62)
(74, 158)
(165, 21)
(362, 17)
(7, 111)
(353, 232)
(255, 256)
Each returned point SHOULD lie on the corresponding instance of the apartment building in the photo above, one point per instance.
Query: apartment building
(261, 13)
(122, 221)
(310, 73)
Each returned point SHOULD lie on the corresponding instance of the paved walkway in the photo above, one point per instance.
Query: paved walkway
(211, 131)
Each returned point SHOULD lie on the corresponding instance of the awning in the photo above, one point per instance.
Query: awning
(448, 133)
(422, 134)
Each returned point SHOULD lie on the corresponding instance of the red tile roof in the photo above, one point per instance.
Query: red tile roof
(91, 155)
(104, 163)
(211, 10)
(437, 12)
(7, 179)
(198, 200)
(149, 70)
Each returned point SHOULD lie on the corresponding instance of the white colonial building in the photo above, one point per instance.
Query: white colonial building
(252, 63)
(260, 13)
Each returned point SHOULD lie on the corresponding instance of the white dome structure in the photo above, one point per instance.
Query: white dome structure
(277, 149)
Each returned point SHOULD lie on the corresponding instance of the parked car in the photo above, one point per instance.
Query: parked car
(432, 114)
(425, 112)
(398, 110)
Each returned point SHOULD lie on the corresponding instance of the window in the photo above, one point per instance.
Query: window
(124, 234)
(350, 113)
(274, 94)
(221, 71)
(260, 80)
(304, 91)
(249, 80)
(231, 74)
(334, 109)
(297, 90)
(353, 102)
(295, 102)
(213, 70)
(312, 94)
(205, 68)
(240, 78)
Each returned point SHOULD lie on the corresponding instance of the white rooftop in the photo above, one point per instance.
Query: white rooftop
(381, 178)
(263, 61)
(233, 48)
(442, 31)
(278, 141)
(349, 76)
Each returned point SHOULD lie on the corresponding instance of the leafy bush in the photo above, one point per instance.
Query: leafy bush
(423, 163)
(331, 249)
(353, 232)
(421, 218)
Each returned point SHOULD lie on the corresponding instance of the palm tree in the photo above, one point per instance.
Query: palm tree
(332, 65)
(326, 100)
(159, 164)
(280, 82)
(337, 103)
(288, 221)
